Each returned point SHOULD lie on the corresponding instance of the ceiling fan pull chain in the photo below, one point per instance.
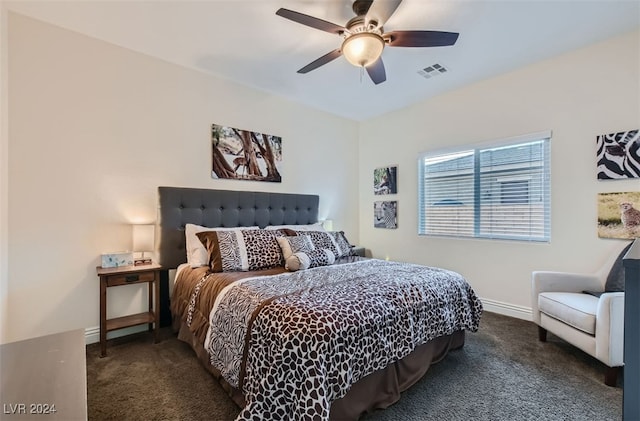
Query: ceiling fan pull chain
(361, 73)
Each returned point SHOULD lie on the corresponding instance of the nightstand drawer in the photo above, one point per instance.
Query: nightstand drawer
(132, 278)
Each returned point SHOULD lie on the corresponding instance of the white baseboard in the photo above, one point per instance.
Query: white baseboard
(507, 309)
(92, 334)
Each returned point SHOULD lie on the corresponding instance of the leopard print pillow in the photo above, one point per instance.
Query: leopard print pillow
(295, 244)
(242, 250)
(311, 259)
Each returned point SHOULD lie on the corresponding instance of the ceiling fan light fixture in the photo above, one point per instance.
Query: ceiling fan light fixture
(363, 49)
(364, 38)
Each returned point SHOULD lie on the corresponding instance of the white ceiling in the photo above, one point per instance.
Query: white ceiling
(244, 41)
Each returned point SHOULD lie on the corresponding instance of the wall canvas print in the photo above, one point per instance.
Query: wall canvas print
(618, 155)
(385, 214)
(385, 180)
(245, 155)
(619, 215)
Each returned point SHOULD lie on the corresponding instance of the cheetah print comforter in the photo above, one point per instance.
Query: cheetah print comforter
(295, 342)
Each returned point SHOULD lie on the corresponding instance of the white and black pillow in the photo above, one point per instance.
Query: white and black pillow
(342, 244)
(335, 241)
(322, 240)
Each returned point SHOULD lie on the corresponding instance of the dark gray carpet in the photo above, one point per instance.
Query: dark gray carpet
(502, 373)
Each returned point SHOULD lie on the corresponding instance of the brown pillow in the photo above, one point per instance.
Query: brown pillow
(242, 250)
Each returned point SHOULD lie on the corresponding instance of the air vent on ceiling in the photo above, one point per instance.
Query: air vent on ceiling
(433, 70)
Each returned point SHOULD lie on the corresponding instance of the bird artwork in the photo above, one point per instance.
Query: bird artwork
(630, 218)
(385, 180)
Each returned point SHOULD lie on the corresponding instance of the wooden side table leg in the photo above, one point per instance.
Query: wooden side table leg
(150, 298)
(103, 317)
(156, 285)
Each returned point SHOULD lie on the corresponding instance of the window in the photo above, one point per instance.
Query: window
(499, 191)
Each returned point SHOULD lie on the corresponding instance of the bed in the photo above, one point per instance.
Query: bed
(333, 341)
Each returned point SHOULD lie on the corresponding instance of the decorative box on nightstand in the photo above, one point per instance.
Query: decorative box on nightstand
(128, 275)
(117, 259)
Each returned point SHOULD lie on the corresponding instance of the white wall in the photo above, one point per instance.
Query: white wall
(95, 129)
(578, 96)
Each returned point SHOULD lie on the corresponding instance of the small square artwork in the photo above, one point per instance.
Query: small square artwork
(245, 155)
(385, 214)
(385, 180)
(618, 155)
(619, 215)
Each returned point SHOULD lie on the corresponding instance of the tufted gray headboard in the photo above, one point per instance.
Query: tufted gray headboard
(178, 206)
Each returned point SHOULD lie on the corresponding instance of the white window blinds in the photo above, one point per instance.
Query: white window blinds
(497, 191)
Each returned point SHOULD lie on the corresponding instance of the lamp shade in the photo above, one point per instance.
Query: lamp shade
(363, 49)
(143, 237)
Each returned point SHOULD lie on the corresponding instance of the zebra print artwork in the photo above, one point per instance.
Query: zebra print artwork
(385, 215)
(619, 155)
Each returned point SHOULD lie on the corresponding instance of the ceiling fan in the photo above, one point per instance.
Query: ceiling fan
(364, 36)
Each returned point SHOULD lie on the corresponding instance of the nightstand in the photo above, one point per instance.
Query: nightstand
(359, 251)
(128, 275)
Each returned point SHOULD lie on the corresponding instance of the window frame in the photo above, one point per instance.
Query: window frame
(542, 177)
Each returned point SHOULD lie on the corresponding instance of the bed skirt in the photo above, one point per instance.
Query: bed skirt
(378, 390)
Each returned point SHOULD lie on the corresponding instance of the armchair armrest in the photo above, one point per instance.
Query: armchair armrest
(548, 281)
(610, 329)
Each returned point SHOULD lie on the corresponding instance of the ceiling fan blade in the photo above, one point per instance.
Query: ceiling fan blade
(381, 10)
(321, 61)
(307, 20)
(376, 72)
(421, 38)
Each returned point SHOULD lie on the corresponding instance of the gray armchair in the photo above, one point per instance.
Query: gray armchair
(586, 310)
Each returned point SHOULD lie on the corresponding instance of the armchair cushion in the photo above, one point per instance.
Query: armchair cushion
(575, 309)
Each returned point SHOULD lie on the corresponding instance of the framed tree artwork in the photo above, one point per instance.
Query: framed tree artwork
(385, 180)
(245, 155)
